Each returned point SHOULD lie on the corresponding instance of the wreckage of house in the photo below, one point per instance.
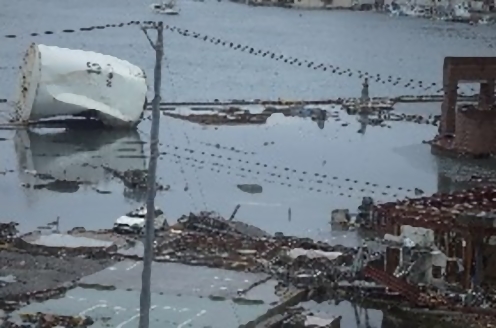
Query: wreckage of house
(456, 230)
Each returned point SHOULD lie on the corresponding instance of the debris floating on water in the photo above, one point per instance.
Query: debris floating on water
(250, 188)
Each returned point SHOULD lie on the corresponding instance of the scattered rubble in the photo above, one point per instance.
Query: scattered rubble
(133, 179)
(443, 210)
(44, 320)
(56, 185)
(206, 239)
(379, 111)
(324, 270)
(8, 231)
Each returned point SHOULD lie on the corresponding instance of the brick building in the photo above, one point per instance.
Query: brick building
(468, 129)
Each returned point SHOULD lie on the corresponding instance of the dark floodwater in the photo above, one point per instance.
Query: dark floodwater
(298, 165)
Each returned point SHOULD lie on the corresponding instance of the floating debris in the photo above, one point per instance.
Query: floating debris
(250, 188)
(133, 179)
(62, 186)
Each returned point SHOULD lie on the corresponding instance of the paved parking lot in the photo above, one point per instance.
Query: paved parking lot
(182, 296)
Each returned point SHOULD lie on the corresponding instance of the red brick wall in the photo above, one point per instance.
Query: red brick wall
(475, 131)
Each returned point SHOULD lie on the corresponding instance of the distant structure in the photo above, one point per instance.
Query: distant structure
(468, 129)
(365, 91)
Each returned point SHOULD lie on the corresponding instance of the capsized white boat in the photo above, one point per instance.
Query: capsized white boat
(57, 82)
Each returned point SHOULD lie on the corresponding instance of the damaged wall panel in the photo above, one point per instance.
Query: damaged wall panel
(64, 82)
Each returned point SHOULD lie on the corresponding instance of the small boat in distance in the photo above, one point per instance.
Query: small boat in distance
(165, 8)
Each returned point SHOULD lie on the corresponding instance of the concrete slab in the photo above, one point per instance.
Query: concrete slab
(64, 240)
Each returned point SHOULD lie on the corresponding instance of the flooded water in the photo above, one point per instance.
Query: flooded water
(340, 168)
(302, 169)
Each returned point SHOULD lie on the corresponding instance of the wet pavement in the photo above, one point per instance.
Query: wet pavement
(182, 296)
(38, 272)
(301, 168)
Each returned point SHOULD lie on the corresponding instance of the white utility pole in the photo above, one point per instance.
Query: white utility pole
(145, 297)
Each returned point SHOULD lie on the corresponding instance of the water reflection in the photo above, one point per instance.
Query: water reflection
(363, 119)
(363, 115)
(353, 316)
(318, 115)
(62, 160)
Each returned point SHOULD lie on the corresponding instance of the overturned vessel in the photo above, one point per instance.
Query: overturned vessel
(58, 82)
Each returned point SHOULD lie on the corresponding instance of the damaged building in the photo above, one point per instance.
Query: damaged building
(468, 128)
(445, 241)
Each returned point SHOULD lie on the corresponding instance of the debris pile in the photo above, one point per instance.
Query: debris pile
(305, 271)
(354, 106)
(209, 222)
(378, 112)
(342, 218)
(44, 320)
(442, 210)
(133, 179)
(228, 116)
(62, 186)
(8, 231)
(207, 239)
(365, 210)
